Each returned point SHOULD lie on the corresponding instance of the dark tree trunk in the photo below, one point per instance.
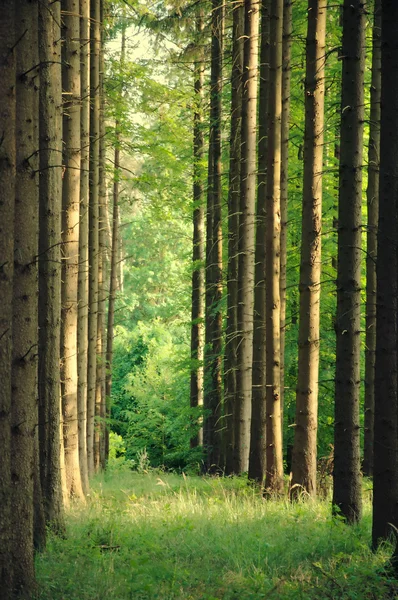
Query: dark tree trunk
(372, 195)
(7, 205)
(385, 470)
(346, 473)
(212, 399)
(24, 415)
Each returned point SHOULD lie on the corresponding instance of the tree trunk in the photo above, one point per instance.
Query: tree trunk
(93, 228)
(70, 241)
(257, 456)
(346, 472)
(50, 188)
(24, 411)
(213, 334)
(304, 464)
(82, 319)
(372, 195)
(385, 470)
(274, 475)
(7, 205)
(285, 126)
(230, 352)
(246, 242)
(198, 242)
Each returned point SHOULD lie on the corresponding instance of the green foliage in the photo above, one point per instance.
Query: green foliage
(188, 538)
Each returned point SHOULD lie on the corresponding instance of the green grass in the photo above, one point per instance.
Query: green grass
(163, 536)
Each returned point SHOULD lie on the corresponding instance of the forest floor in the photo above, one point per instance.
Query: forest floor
(164, 536)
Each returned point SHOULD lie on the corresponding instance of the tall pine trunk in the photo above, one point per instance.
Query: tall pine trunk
(257, 463)
(372, 196)
(385, 470)
(198, 242)
(246, 241)
(82, 329)
(274, 475)
(285, 125)
(230, 352)
(95, 43)
(212, 398)
(7, 205)
(50, 188)
(24, 413)
(346, 472)
(70, 241)
(305, 432)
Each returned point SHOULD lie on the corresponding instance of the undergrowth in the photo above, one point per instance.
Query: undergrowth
(164, 536)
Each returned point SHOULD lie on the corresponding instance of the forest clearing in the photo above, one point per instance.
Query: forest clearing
(198, 299)
(161, 536)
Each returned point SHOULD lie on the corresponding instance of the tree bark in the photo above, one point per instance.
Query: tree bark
(246, 242)
(385, 484)
(212, 399)
(70, 241)
(82, 318)
(230, 352)
(304, 465)
(50, 189)
(7, 206)
(285, 126)
(24, 411)
(274, 475)
(372, 196)
(257, 463)
(95, 44)
(198, 242)
(346, 473)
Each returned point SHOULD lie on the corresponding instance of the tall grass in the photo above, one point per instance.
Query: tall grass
(163, 536)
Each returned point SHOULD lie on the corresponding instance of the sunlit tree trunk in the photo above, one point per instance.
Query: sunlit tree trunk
(82, 329)
(285, 125)
(24, 410)
(95, 43)
(305, 432)
(372, 195)
(230, 352)
(246, 241)
(385, 468)
(50, 131)
(274, 475)
(346, 472)
(70, 241)
(212, 399)
(7, 205)
(257, 456)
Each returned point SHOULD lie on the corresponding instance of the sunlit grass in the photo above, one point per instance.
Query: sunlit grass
(158, 535)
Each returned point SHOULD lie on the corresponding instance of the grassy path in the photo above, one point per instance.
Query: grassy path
(162, 536)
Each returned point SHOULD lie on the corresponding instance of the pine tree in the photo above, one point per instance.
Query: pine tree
(346, 472)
